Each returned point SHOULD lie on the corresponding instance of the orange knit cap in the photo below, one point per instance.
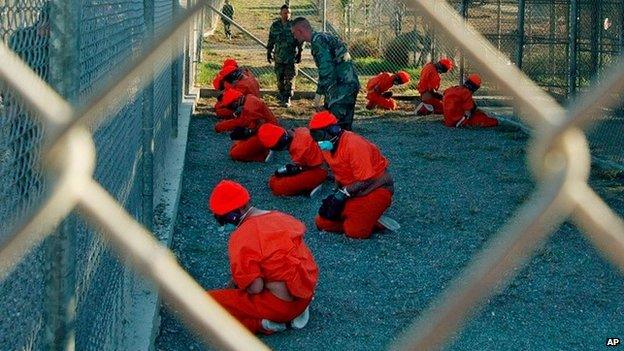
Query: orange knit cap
(230, 95)
(322, 120)
(270, 134)
(228, 196)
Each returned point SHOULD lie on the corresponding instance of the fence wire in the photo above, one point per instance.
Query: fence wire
(112, 196)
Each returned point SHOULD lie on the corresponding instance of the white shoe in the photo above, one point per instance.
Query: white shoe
(273, 326)
(388, 223)
(301, 320)
(316, 190)
(269, 156)
(424, 109)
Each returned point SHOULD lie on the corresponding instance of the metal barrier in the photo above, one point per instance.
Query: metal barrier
(559, 157)
(124, 120)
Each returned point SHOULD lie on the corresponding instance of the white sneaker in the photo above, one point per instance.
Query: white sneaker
(316, 190)
(424, 109)
(388, 223)
(269, 156)
(301, 320)
(273, 326)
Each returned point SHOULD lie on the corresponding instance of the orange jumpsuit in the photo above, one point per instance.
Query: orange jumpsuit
(304, 152)
(268, 246)
(247, 84)
(457, 102)
(377, 86)
(223, 112)
(356, 159)
(253, 115)
(430, 82)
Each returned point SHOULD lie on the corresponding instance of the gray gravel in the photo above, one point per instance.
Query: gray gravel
(454, 190)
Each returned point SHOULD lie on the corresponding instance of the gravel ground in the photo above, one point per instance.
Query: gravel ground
(454, 189)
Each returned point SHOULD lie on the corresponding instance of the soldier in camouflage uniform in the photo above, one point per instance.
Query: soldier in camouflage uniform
(227, 10)
(337, 81)
(287, 54)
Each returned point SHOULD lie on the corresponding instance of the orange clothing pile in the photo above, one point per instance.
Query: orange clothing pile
(458, 102)
(355, 160)
(305, 152)
(269, 246)
(254, 113)
(375, 87)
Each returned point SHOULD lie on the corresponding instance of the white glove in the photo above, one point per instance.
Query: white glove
(317, 102)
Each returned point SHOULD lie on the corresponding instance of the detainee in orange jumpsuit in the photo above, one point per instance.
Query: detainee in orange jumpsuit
(274, 274)
(378, 87)
(232, 76)
(365, 187)
(428, 86)
(250, 112)
(305, 174)
(460, 109)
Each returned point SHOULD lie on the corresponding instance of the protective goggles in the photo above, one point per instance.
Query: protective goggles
(326, 133)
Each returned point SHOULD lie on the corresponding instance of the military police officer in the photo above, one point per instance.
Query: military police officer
(287, 54)
(337, 81)
(227, 10)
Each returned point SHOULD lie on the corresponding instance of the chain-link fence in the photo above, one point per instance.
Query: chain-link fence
(562, 45)
(76, 47)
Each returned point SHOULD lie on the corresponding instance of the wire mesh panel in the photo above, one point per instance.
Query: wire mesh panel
(163, 16)
(24, 27)
(111, 34)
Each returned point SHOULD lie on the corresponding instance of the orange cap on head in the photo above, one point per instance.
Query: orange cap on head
(403, 76)
(475, 79)
(228, 196)
(230, 95)
(446, 63)
(322, 120)
(227, 70)
(270, 134)
(230, 62)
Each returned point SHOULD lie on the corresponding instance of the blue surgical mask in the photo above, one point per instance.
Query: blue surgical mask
(326, 145)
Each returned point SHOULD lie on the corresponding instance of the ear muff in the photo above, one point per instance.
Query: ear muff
(334, 130)
(233, 217)
(282, 143)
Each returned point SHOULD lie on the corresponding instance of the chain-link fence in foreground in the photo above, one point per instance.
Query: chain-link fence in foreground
(69, 289)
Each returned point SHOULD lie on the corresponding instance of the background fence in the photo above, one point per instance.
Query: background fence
(563, 45)
(77, 46)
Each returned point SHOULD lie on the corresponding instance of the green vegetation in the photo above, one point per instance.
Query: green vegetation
(206, 71)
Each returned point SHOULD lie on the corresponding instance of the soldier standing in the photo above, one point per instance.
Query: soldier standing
(337, 81)
(287, 54)
(227, 10)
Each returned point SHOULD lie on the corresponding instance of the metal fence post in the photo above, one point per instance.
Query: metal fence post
(520, 34)
(147, 129)
(176, 91)
(324, 16)
(572, 47)
(596, 36)
(498, 24)
(64, 68)
(462, 62)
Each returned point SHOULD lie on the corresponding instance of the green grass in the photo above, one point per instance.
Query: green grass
(206, 72)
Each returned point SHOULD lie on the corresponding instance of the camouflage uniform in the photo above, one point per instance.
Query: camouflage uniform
(337, 80)
(227, 10)
(286, 52)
